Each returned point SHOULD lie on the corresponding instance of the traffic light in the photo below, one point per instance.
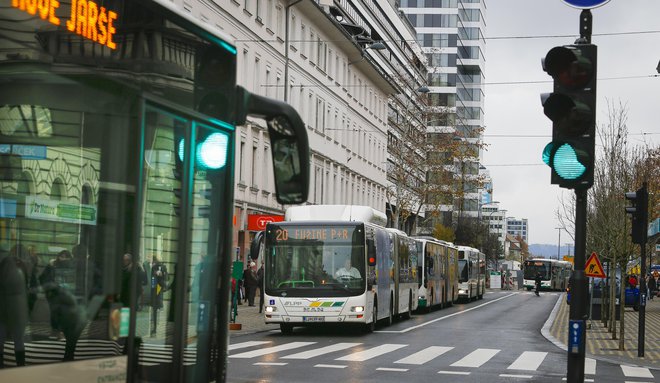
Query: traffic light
(639, 213)
(572, 108)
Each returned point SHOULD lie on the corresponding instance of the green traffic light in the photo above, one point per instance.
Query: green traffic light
(566, 164)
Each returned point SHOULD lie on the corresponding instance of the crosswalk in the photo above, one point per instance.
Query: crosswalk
(450, 360)
(52, 351)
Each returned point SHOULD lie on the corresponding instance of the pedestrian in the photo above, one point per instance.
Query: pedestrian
(13, 303)
(250, 282)
(260, 282)
(632, 281)
(67, 316)
(537, 284)
(652, 286)
(158, 288)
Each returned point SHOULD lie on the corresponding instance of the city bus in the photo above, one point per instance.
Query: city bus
(471, 273)
(554, 274)
(118, 124)
(337, 264)
(437, 273)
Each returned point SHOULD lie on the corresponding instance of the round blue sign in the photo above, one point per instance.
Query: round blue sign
(585, 4)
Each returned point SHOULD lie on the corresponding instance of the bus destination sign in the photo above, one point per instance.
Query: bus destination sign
(282, 234)
(86, 18)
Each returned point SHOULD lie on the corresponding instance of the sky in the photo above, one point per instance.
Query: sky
(521, 181)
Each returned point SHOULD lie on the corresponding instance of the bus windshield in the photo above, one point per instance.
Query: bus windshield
(463, 272)
(315, 260)
(533, 267)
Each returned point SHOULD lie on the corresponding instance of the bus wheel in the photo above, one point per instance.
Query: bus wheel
(286, 328)
(370, 327)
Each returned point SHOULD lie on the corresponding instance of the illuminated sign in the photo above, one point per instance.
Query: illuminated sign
(86, 18)
(312, 233)
(52, 210)
(258, 222)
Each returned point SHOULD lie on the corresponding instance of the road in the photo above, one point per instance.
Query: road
(495, 339)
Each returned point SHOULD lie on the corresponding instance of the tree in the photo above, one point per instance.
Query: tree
(420, 164)
(620, 167)
(444, 233)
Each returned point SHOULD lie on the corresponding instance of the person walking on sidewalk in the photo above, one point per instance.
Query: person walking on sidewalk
(250, 282)
(651, 285)
(260, 282)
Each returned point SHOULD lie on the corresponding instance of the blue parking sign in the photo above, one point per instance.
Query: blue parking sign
(585, 4)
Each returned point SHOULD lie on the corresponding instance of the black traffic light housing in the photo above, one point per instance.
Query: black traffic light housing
(572, 108)
(639, 213)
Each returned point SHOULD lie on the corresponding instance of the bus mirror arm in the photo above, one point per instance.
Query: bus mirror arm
(289, 143)
(256, 245)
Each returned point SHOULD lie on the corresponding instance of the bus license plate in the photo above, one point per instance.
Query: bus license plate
(313, 319)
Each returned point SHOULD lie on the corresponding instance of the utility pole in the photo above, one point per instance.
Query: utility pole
(558, 241)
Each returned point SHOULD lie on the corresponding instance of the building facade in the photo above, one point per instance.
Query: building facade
(451, 34)
(517, 227)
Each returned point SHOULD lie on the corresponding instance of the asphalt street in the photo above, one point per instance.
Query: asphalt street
(495, 339)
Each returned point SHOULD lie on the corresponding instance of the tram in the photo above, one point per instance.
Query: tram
(118, 124)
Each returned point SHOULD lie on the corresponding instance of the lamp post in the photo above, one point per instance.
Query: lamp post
(558, 241)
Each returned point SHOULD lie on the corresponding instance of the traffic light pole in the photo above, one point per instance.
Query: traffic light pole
(577, 316)
(644, 200)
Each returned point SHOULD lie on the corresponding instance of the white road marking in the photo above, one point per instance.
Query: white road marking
(268, 350)
(444, 317)
(454, 372)
(392, 369)
(372, 352)
(528, 361)
(589, 366)
(636, 372)
(516, 376)
(425, 355)
(321, 351)
(476, 358)
(330, 366)
(246, 344)
(270, 364)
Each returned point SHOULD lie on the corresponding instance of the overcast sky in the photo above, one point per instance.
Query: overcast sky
(515, 110)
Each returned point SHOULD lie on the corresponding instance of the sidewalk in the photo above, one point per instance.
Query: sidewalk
(600, 344)
(251, 320)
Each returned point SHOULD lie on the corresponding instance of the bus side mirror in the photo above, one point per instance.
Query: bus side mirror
(289, 144)
(257, 245)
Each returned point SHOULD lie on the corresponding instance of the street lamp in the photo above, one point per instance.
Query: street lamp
(558, 241)
(499, 237)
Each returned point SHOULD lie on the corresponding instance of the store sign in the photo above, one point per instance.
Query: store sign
(86, 18)
(258, 222)
(27, 152)
(58, 211)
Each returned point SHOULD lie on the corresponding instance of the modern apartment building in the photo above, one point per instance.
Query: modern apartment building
(517, 227)
(451, 34)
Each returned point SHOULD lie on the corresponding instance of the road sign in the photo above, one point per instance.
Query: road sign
(593, 267)
(585, 4)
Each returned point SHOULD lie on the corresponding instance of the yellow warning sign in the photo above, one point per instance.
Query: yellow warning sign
(593, 267)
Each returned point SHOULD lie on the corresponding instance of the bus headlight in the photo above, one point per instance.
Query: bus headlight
(270, 309)
(461, 291)
(357, 309)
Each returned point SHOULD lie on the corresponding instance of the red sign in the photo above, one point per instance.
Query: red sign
(257, 222)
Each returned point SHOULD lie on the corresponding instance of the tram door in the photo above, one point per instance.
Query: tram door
(185, 192)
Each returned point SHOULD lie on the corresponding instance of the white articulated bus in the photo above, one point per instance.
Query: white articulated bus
(437, 272)
(554, 273)
(337, 264)
(471, 273)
